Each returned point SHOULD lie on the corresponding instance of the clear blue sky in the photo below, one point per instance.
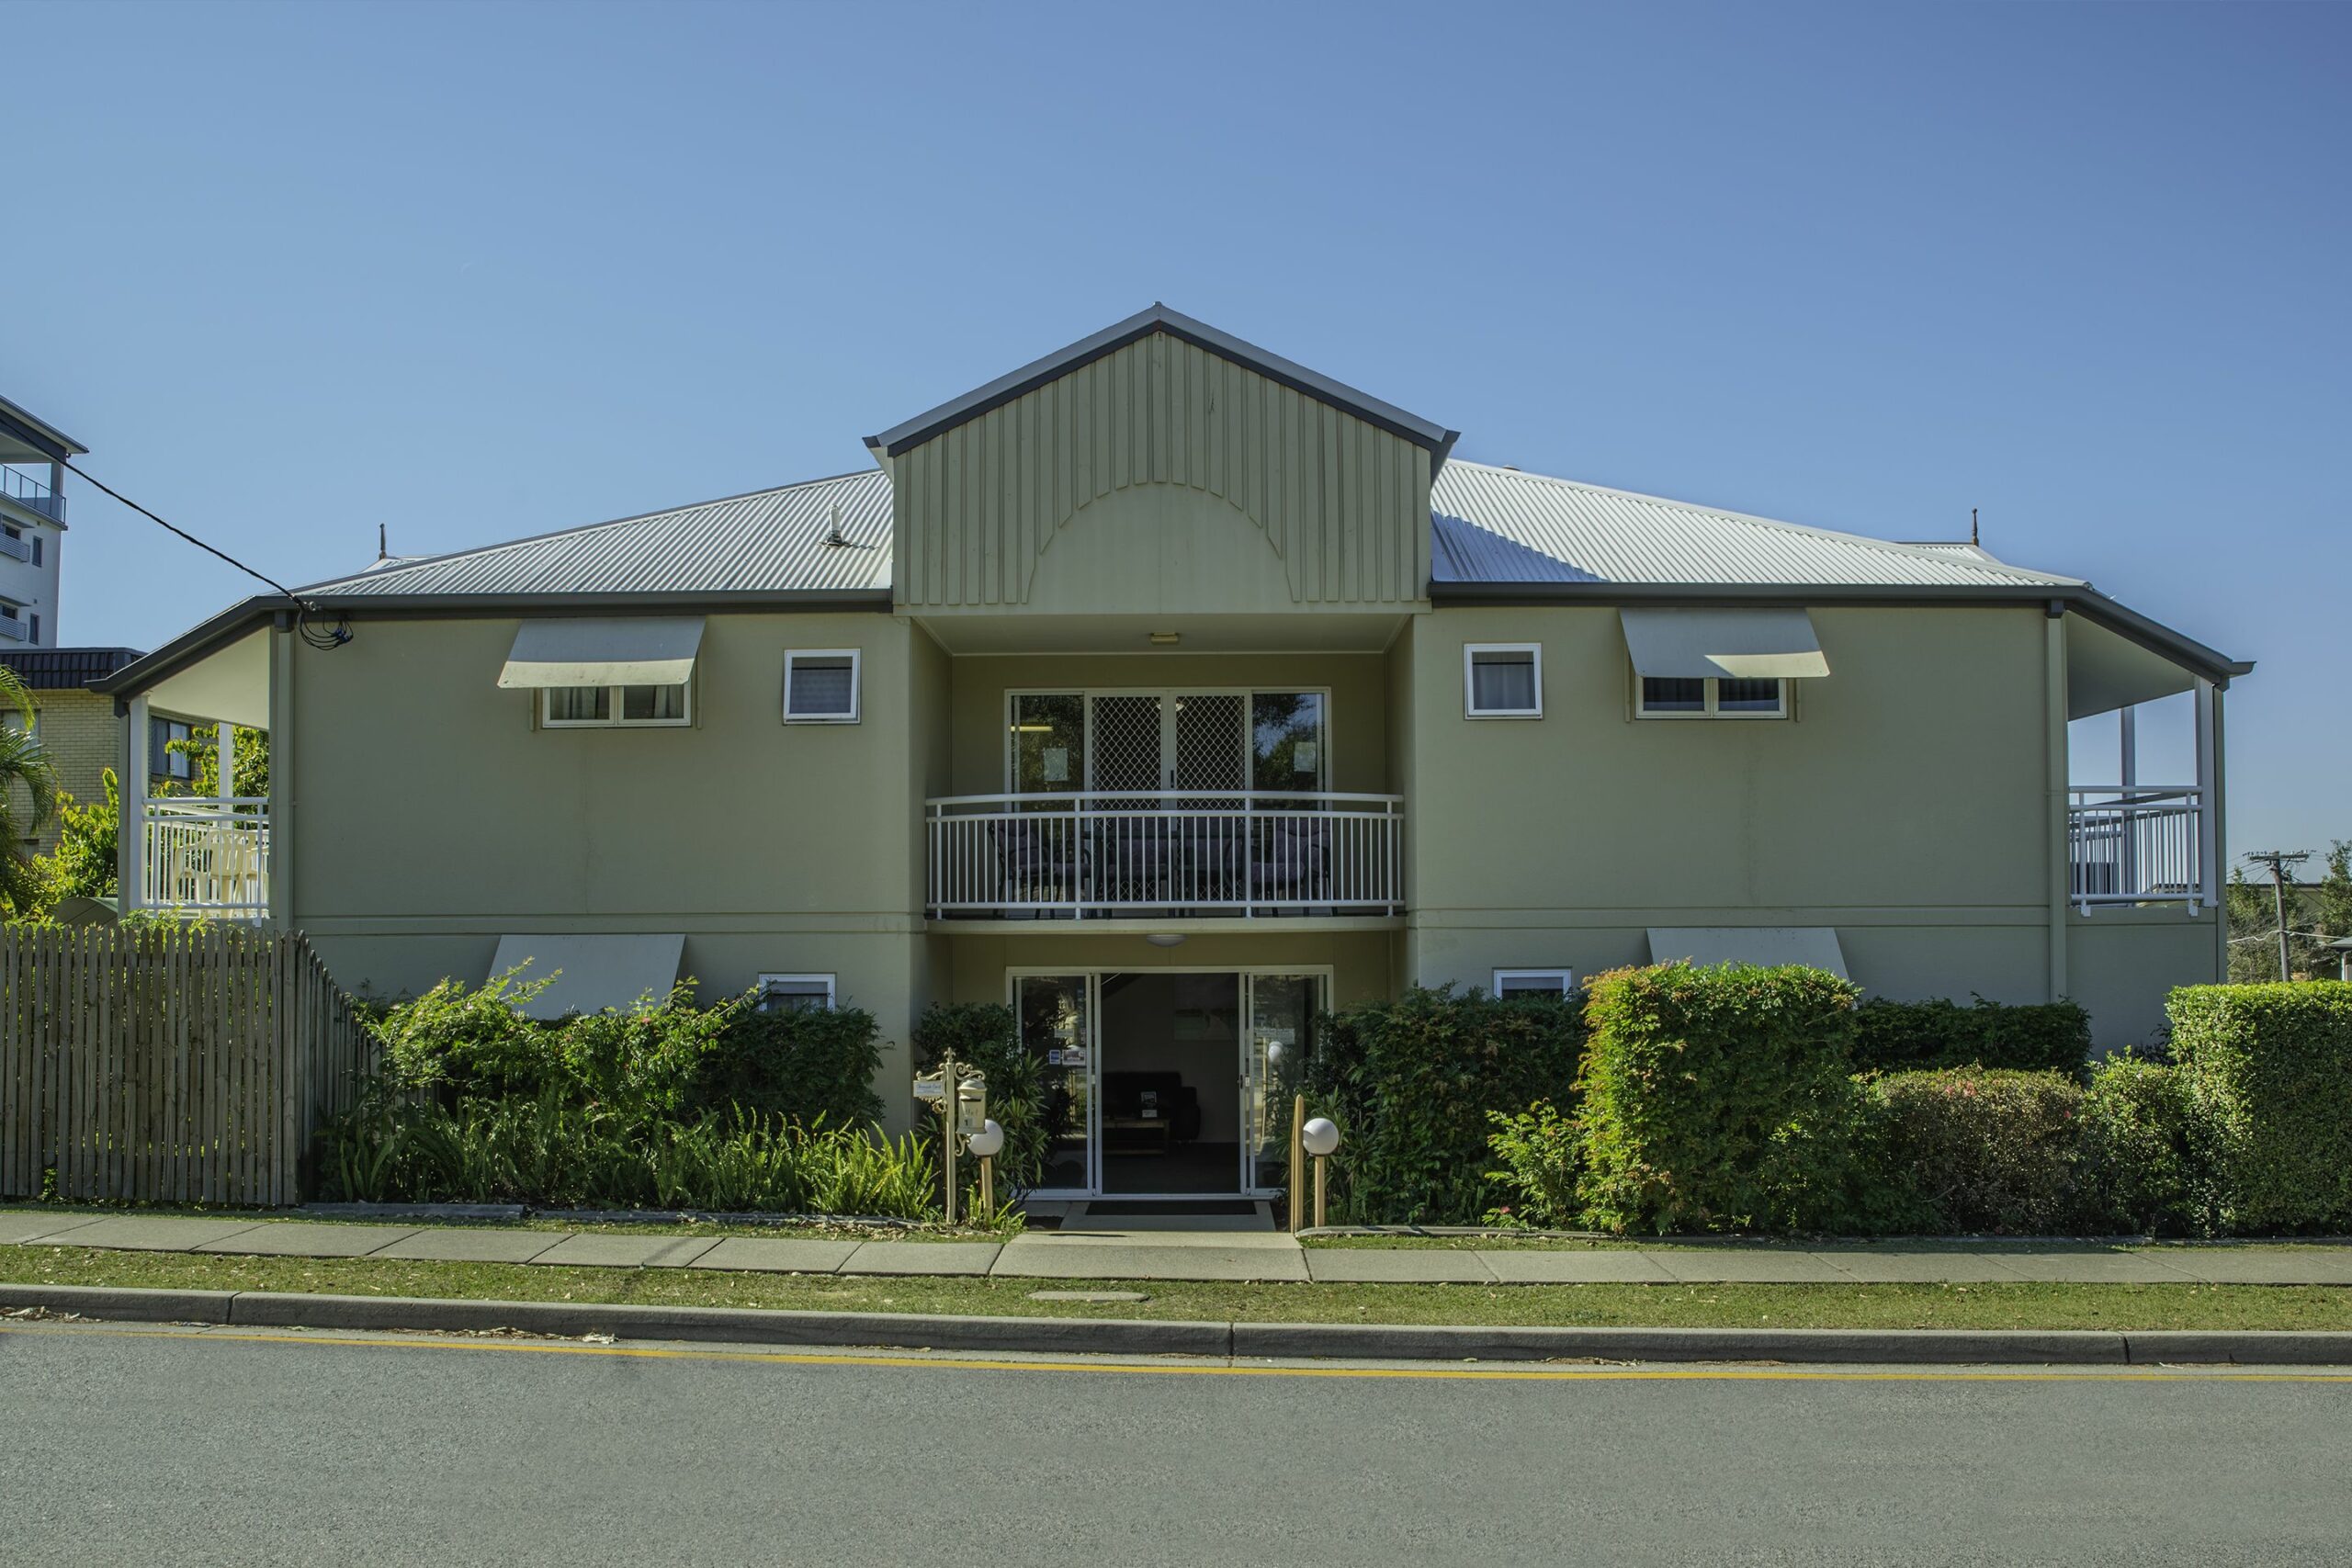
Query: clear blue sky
(475, 272)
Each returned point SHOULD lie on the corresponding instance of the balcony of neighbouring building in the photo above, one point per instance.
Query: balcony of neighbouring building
(35, 495)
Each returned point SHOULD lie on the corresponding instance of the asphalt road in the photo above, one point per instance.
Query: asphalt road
(126, 1446)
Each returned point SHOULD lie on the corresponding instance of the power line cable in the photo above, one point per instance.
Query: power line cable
(335, 635)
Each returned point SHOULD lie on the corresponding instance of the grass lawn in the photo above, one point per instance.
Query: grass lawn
(2017, 1305)
(783, 1230)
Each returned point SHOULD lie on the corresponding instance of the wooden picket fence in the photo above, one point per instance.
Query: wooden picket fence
(164, 1062)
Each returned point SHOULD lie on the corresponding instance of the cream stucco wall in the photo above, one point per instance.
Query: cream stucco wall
(1906, 804)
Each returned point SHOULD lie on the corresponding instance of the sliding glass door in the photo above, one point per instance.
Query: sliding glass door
(1277, 1038)
(1057, 1015)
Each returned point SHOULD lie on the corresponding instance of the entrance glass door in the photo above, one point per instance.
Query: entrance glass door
(1277, 1037)
(1056, 1025)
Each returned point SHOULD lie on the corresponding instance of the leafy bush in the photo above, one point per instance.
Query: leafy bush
(1719, 1098)
(1410, 1083)
(985, 1035)
(1984, 1148)
(807, 1065)
(2268, 1072)
(1538, 1150)
(394, 1147)
(1892, 1036)
(2143, 1159)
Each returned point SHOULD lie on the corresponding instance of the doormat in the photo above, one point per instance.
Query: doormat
(1175, 1209)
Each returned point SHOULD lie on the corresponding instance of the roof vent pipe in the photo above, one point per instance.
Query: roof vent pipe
(834, 537)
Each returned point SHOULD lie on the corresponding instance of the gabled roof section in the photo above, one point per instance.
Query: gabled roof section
(772, 541)
(1499, 525)
(1438, 440)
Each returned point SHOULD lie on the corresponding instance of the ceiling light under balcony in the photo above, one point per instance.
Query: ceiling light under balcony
(1166, 639)
(1166, 938)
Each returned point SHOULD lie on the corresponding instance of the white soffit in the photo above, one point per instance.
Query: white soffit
(584, 650)
(2105, 671)
(1744, 644)
(597, 972)
(1814, 946)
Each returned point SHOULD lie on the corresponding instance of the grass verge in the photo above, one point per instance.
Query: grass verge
(2021, 1305)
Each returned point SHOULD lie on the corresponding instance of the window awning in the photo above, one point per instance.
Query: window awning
(1814, 946)
(1743, 644)
(598, 972)
(634, 650)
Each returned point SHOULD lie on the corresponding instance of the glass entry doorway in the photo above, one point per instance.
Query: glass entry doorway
(1168, 1083)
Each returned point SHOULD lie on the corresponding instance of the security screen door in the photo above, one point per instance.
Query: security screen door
(1149, 741)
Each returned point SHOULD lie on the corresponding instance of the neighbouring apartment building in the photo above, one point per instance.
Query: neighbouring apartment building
(1170, 693)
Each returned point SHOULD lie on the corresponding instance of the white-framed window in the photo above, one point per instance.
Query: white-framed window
(614, 707)
(796, 993)
(1665, 696)
(820, 685)
(1511, 982)
(1502, 679)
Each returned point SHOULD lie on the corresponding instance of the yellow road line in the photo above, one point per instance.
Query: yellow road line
(1434, 1373)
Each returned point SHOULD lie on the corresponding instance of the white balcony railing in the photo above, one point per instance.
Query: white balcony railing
(2137, 845)
(1207, 851)
(207, 855)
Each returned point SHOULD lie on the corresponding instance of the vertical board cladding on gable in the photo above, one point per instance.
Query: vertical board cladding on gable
(1343, 504)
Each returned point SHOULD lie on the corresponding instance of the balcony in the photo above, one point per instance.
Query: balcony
(2137, 844)
(1203, 852)
(31, 494)
(206, 855)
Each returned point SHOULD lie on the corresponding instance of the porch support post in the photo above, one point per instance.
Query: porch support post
(277, 862)
(2127, 726)
(225, 753)
(2060, 839)
(2208, 794)
(132, 831)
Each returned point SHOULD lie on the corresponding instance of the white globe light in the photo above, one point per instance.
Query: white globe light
(1320, 1137)
(1275, 1054)
(989, 1142)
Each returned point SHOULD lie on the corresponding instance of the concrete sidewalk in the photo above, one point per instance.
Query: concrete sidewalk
(1237, 1251)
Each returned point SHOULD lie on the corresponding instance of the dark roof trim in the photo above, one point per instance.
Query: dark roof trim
(39, 434)
(240, 619)
(1436, 438)
(2088, 603)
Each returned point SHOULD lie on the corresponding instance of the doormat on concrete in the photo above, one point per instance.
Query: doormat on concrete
(1177, 1209)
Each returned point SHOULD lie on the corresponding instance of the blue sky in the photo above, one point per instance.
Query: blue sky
(475, 272)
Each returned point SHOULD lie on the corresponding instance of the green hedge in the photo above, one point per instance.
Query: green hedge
(1719, 1099)
(1890, 1036)
(2268, 1071)
(2144, 1159)
(1983, 1148)
(1410, 1083)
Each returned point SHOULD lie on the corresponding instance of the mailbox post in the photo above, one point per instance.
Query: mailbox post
(961, 1095)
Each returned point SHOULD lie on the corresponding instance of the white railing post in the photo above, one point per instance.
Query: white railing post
(2209, 839)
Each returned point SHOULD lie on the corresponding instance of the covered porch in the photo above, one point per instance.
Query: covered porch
(2142, 829)
(189, 845)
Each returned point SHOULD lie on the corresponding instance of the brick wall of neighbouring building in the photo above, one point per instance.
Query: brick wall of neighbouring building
(83, 738)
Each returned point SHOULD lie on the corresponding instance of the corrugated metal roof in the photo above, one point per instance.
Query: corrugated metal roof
(768, 541)
(1492, 524)
(1501, 526)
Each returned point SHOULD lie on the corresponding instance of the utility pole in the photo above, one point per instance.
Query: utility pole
(2278, 862)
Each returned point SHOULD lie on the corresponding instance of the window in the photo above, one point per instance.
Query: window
(164, 760)
(1286, 741)
(796, 993)
(1509, 983)
(1502, 679)
(580, 707)
(1713, 697)
(820, 685)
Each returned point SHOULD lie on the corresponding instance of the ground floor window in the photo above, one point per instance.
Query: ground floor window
(796, 993)
(575, 708)
(1533, 983)
(1676, 697)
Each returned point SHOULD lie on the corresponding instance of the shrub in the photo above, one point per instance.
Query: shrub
(1719, 1099)
(396, 1147)
(1410, 1083)
(1892, 1036)
(806, 1065)
(2268, 1071)
(1983, 1148)
(2143, 1168)
(1537, 1148)
(457, 1038)
(986, 1035)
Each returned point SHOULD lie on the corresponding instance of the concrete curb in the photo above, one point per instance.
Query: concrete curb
(1302, 1341)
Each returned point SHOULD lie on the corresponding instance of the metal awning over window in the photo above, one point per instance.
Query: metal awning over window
(636, 651)
(1814, 946)
(1737, 644)
(598, 972)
